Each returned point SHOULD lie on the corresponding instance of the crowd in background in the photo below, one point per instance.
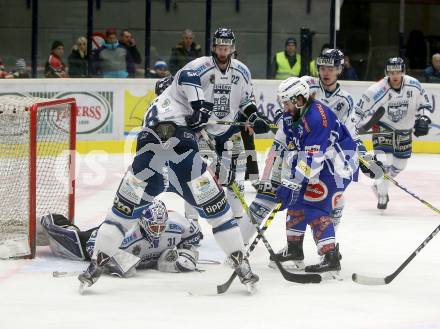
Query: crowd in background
(118, 56)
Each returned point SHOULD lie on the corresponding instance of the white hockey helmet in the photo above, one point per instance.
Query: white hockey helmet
(291, 88)
(154, 218)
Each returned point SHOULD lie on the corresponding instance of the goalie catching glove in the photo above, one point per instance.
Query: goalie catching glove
(178, 260)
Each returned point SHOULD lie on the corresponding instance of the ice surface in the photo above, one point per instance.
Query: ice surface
(370, 243)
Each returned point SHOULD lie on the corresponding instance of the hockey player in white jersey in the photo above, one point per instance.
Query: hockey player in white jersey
(163, 240)
(167, 141)
(407, 111)
(227, 84)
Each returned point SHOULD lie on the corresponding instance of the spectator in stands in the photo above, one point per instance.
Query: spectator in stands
(55, 67)
(348, 73)
(159, 70)
(432, 72)
(313, 69)
(3, 73)
(20, 71)
(78, 59)
(287, 63)
(110, 60)
(184, 52)
(127, 41)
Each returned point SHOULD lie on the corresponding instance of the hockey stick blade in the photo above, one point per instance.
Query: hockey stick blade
(222, 288)
(374, 120)
(382, 281)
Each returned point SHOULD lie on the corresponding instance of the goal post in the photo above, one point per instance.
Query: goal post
(37, 168)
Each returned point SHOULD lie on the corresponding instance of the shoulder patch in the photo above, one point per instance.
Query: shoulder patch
(189, 77)
(243, 70)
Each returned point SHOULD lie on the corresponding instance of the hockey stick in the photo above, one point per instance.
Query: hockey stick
(373, 120)
(222, 288)
(236, 123)
(289, 276)
(362, 279)
(372, 281)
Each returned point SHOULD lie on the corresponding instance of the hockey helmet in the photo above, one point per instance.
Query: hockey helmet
(154, 218)
(163, 84)
(291, 88)
(394, 64)
(331, 58)
(224, 37)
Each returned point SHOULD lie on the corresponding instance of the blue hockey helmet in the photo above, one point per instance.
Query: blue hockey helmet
(154, 218)
(331, 57)
(394, 64)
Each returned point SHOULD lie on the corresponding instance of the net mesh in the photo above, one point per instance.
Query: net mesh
(53, 167)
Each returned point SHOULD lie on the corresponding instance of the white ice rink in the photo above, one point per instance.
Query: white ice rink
(370, 243)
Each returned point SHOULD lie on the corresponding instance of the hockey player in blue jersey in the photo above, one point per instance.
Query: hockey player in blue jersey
(167, 141)
(327, 90)
(320, 162)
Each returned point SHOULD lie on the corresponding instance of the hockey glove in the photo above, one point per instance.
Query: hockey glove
(421, 126)
(373, 167)
(259, 122)
(287, 193)
(199, 118)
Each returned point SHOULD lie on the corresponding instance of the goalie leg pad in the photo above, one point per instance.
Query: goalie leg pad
(63, 241)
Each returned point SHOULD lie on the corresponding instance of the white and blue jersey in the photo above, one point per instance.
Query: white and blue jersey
(402, 106)
(230, 91)
(174, 104)
(138, 242)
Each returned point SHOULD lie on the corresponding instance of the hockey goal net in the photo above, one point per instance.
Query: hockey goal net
(37, 154)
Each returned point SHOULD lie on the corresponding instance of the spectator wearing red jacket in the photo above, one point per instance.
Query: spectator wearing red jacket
(55, 67)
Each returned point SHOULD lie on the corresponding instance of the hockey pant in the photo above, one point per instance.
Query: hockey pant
(314, 206)
(187, 176)
(393, 150)
(229, 164)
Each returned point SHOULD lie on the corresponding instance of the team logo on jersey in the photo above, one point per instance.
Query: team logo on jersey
(221, 100)
(316, 192)
(397, 110)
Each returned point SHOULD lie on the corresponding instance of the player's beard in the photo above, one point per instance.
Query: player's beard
(222, 61)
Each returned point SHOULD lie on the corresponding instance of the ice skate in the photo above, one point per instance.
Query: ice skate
(292, 257)
(244, 271)
(382, 201)
(93, 272)
(329, 265)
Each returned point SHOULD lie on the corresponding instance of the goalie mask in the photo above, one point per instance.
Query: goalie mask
(154, 219)
(223, 37)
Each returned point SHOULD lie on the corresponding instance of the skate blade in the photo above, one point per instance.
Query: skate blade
(290, 265)
(82, 287)
(251, 288)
